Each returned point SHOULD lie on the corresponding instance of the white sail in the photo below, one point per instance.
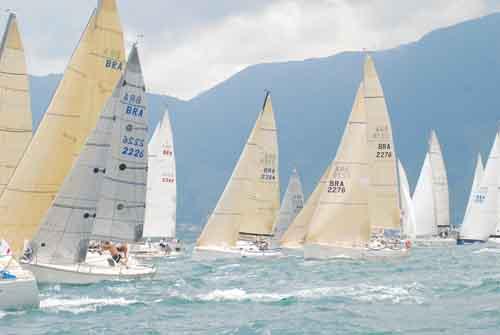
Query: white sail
(478, 176)
(15, 109)
(161, 193)
(482, 218)
(295, 235)
(120, 210)
(65, 232)
(292, 204)
(407, 210)
(342, 215)
(384, 188)
(91, 75)
(250, 200)
(431, 199)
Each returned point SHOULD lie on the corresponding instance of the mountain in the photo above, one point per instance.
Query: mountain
(448, 80)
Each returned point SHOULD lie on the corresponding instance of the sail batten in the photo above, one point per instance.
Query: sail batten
(93, 70)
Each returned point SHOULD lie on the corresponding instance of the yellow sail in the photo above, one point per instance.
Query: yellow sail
(341, 217)
(384, 190)
(295, 235)
(92, 73)
(15, 109)
(250, 201)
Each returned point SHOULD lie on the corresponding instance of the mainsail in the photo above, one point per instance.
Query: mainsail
(120, 210)
(64, 233)
(384, 190)
(482, 217)
(295, 235)
(15, 109)
(161, 191)
(250, 200)
(342, 214)
(407, 211)
(478, 176)
(92, 73)
(430, 199)
(292, 204)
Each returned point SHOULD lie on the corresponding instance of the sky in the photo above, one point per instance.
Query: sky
(191, 45)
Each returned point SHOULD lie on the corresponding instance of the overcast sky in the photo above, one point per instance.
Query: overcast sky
(191, 45)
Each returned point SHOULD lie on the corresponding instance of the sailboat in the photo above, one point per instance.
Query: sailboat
(357, 215)
(481, 218)
(92, 73)
(103, 197)
(160, 221)
(18, 288)
(295, 235)
(292, 204)
(431, 199)
(407, 211)
(242, 222)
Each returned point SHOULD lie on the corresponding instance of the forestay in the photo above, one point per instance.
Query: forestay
(15, 109)
(92, 73)
(161, 184)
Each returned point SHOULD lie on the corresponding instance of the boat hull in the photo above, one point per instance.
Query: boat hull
(433, 242)
(19, 293)
(212, 253)
(462, 241)
(145, 251)
(268, 253)
(85, 274)
(325, 252)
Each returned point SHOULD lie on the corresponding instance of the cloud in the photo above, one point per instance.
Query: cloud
(191, 45)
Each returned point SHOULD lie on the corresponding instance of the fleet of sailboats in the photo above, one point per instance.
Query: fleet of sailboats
(87, 186)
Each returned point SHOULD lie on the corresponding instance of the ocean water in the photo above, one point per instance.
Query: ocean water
(449, 290)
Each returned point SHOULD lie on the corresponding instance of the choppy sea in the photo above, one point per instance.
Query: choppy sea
(449, 290)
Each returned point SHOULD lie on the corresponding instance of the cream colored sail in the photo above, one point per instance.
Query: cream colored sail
(250, 201)
(384, 189)
(295, 235)
(94, 69)
(439, 182)
(15, 109)
(292, 204)
(342, 215)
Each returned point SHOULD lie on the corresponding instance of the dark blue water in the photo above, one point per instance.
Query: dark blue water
(434, 291)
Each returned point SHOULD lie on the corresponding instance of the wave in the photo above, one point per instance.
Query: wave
(79, 305)
(363, 293)
(487, 251)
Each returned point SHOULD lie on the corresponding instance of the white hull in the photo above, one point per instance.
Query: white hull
(324, 252)
(214, 253)
(433, 242)
(256, 253)
(18, 293)
(84, 273)
(153, 250)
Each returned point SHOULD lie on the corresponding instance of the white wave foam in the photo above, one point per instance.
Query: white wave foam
(363, 293)
(79, 305)
(487, 251)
